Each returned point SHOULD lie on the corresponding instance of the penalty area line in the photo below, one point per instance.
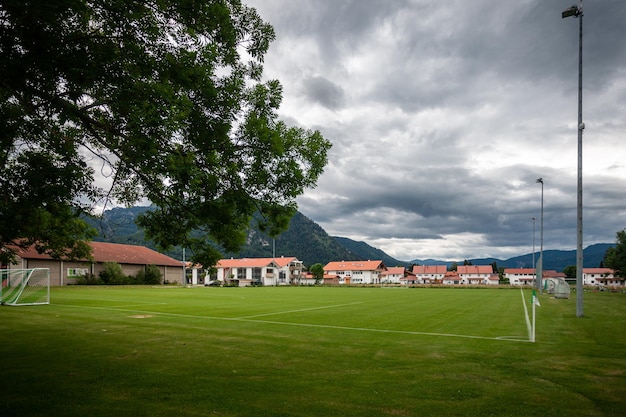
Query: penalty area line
(310, 325)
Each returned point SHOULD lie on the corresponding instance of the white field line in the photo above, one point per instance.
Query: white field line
(319, 326)
(300, 310)
(528, 325)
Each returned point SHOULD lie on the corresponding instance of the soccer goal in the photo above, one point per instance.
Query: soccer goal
(25, 286)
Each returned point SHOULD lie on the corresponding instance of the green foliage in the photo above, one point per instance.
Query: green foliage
(88, 279)
(570, 271)
(317, 270)
(164, 97)
(151, 276)
(615, 257)
(112, 274)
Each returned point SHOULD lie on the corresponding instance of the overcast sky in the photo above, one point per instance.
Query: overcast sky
(443, 114)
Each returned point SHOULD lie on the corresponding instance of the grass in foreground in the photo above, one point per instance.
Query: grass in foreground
(311, 351)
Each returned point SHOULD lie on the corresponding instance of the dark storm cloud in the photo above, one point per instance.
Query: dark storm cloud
(324, 92)
(443, 114)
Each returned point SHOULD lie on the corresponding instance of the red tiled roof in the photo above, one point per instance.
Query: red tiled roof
(114, 252)
(354, 266)
(598, 271)
(254, 262)
(429, 269)
(394, 270)
(520, 271)
(474, 269)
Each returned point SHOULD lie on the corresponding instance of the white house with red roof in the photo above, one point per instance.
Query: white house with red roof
(602, 277)
(520, 276)
(396, 275)
(477, 275)
(260, 271)
(526, 276)
(356, 272)
(429, 274)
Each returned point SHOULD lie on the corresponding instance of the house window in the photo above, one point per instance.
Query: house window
(76, 272)
(282, 276)
(241, 273)
(256, 274)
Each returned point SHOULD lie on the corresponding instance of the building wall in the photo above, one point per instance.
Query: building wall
(61, 271)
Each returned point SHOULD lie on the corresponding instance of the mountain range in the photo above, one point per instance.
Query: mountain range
(310, 243)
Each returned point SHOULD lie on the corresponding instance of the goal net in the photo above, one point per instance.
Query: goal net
(25, 286)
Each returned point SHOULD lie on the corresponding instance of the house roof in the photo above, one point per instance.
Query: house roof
(355, 266)
(474, 269)
(429, 269)
(553, 274)
(520, 271)
(394, 270)
(255, 262)
(598, 271)
(114, 252)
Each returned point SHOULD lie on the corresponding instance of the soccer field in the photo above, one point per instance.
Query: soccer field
(172, 351)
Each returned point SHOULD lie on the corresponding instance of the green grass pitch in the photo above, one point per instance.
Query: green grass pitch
(311, 351)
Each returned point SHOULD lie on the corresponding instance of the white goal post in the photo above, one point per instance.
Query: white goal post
(25, 286)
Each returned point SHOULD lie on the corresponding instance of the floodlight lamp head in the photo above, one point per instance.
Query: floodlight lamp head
(572, 11)
(539, 180)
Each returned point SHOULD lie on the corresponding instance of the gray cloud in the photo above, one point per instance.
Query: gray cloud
(443, 114)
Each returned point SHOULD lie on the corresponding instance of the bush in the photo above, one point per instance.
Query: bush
(112, 274)
(150, 276)
(88, 279)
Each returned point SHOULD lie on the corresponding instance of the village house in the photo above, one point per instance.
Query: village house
(429, 274)
(260, 271)
(131, 258)
(601, 276)
(520, 276)
(526, 276)
(396, 275)
(477, 275)
(356, 272)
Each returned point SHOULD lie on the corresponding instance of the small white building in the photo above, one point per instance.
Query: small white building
(601, 276)
(260, 271)
(396, 275)
(520, 276)
(429, 274)
(476, 274)
(356, 272)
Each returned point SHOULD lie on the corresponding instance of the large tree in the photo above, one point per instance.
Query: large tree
(164, 99)
(615, 257)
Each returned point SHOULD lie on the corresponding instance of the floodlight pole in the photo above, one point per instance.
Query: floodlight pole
(534, 268)
(577, 11)
(540, 274)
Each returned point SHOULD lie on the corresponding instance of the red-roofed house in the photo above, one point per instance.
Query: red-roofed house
(477, 274)
(397, 275)
(356, 272)
(260, 271)
(601, 276)
(429, 274)
(520, 276)
(131, 258)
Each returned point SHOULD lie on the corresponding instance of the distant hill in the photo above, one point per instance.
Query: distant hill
(553, 259)
(304, 239)
(310, 243)
(366, 251)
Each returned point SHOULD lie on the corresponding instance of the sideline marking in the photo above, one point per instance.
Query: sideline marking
(321, 326)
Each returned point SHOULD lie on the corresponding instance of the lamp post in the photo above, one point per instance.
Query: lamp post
(534, 269)
(577, 12)
(540, 274)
